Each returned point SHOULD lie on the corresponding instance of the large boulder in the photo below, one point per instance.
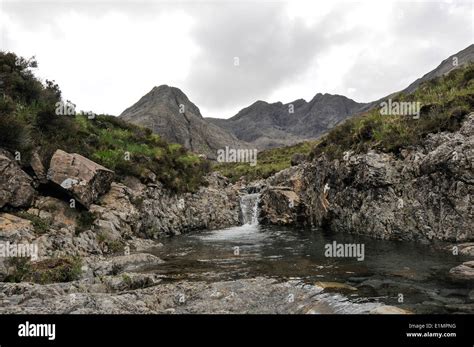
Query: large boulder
(280, 205)
(463, 272)
(81, 177)
(15, 185)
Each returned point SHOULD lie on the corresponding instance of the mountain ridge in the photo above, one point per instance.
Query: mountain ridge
(262, 124)
(168, 112)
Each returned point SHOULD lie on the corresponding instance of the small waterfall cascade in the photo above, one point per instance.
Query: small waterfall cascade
(249, 208)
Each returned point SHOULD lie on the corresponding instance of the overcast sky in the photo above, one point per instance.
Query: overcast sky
(106, 55)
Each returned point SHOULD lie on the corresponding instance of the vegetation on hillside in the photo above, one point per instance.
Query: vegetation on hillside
(445, 101)
(269, 162)
(45, 271)
(29, 121)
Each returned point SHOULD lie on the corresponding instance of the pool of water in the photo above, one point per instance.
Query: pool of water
(413, 276)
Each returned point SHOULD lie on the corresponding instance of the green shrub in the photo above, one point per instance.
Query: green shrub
(45, 271)
(28, 120)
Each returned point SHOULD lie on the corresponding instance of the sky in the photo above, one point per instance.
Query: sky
(225, 55)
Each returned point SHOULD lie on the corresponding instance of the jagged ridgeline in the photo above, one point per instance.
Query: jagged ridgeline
(444, 102)
(29, 122)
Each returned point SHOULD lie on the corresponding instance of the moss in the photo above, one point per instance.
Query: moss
(40, 225)
(109, 245)
(84, 221)
(127, 279)
(46, 271)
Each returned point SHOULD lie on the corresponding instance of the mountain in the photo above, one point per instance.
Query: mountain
(273, 125)
(262, 125)
(451, 63)
(169, 113)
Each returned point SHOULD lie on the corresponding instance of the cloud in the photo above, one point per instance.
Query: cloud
(418, 37)
(106, 55)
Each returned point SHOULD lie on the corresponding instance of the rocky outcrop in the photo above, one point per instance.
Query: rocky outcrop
(38, 168)
(152, 211)
(84, 179)
(168, 112)
(280, 206)
(125, 263)
(463, 272)
(143, 293)
(126, 216)
(426, 193)
(267, 125)
(16, 188)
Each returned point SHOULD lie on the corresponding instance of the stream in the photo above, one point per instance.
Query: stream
(412, 276)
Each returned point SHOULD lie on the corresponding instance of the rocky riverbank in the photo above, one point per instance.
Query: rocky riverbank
(92, 230)
(424, 194)
(75, 208)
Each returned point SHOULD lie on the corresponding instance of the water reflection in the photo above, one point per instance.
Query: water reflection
(419, 271)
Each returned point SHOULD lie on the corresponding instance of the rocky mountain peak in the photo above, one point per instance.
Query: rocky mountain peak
(169, 113)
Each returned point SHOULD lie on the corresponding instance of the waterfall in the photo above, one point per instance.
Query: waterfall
(249, 208)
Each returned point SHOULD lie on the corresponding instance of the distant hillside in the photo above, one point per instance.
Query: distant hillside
(168, 112)
(272, 125)
(455, 61)
(275, 125)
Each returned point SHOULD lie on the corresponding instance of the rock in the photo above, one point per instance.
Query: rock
(280, 206)
(81, 177)
(58, 212)
(15, 229)
(463, 272)
(389, 310)
(471, 295)
(140, 245)
(466, 249)
(15, 185)
(130, 281)
(163, 213)
(318, 308)
(297, 159)
(335, 286)
(126, 263)
(38, 167)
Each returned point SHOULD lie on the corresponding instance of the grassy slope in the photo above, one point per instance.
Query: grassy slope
(444, 103)
(28, 121)
(268, 162)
